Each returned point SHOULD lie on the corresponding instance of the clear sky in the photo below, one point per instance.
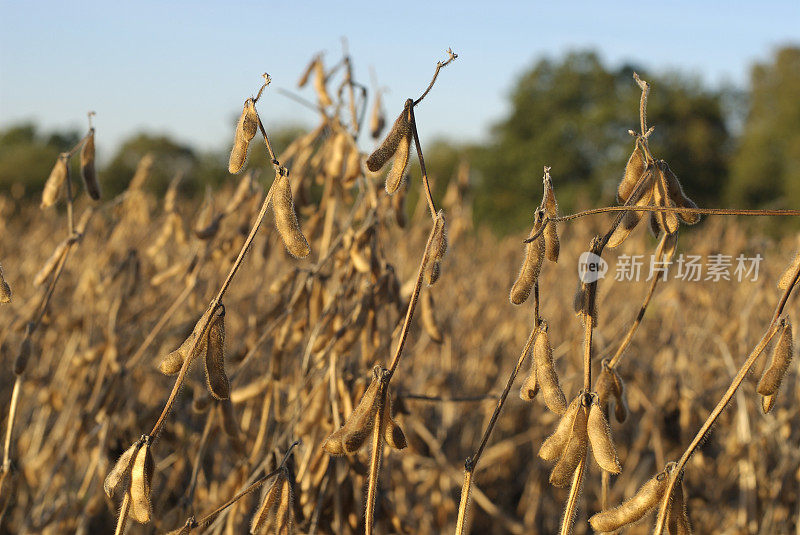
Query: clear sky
(184, 68)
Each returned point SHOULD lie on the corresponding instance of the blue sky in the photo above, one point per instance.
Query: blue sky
(184, 68)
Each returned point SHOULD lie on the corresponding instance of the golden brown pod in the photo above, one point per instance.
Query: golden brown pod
(120, 471)
(600, 439)
(677, 519)
(286, 218)
(767, 402)
(355, 431)
(631, 219)
(609, 383)
(550, 206)
(5, 289)
(216, 378)
(270, 516)
(392, 432)
(377, 119)
(88, 172)
(781, 357)
(428, 316)
(530, 387)
(633, 171)
(786, 277)
(399, 131)
(553, 447)
(319, 84)
(546, 375)
(54, 183)
(246, 130)
(531, 265)
(667, 221)
(173, 361)
(634, 507)
(433, 269)
(141, 479)
(23, 355)
(307, 72)
(51, 263)
(676, 194)
(395, 175)
(574, 451)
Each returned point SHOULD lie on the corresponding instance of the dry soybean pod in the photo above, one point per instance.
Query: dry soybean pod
(286, 218)
(120, 470)
(141, 478)
(675, 192)
(267, 512)
(392, 432)
(633, 171)
(634, 507)
(395, 176)
(400, 130)
(52, 187)
(377, 120)
(216, 378)
(781, 356)
(631, 218)
(550, 207)
(574, 451)
(678, 520)
(438, 249)
(88, 172)
(531, 265)
(553, 447)
(788, 275)
(546, 375)
(428, 317)
(246, 130)
(600, 438)
(5, 289)
(530, 387)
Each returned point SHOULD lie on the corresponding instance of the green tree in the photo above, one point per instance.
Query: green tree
(170, 158)
(573, 115)
(766, 165)
(26, 157)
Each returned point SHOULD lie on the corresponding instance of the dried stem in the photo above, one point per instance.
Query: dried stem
(423, 171)
(574, 494)
(412, 305)
(452, 57)
(472, 462)
(635, 325)
(375, 456)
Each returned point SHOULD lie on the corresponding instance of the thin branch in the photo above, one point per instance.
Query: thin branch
(452, 56)
(472, 462)
(423, 171)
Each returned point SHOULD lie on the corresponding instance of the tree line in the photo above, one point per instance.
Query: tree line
(730, 146)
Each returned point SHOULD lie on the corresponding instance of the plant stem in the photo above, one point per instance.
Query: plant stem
(574, 493)
(412, 304)
(465, 492)
(425, 182)
(472, 462)
(375, 458)
(439, 66)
